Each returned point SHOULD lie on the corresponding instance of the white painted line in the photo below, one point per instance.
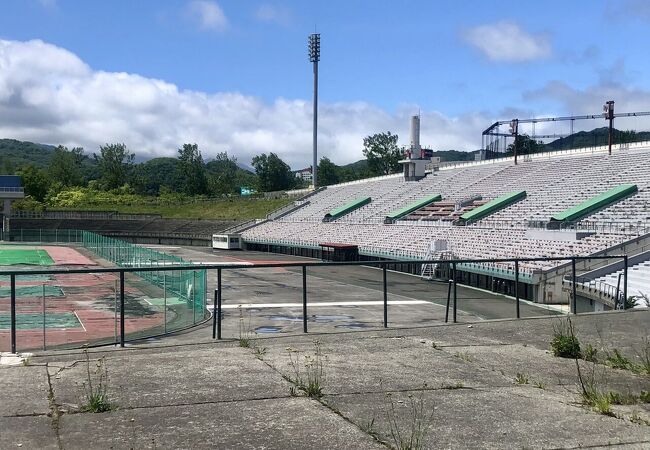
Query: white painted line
(79, 319)
(186, 263)
(317, 304)
(161, 246)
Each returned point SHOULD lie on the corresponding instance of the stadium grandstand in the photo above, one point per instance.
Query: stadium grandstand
(578, 202)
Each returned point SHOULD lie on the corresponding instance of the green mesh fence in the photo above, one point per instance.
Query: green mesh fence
(187, 285)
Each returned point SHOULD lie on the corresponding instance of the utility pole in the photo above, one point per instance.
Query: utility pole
(514, 129)
(608, 109)
(314, 57)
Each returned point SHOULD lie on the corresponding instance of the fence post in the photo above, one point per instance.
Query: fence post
(165, 300)
(304, 299)
(455, 293)
(122, 308)
(517, 286)
(574, 305)
(13, 313)
(385, 297)
(219, 304)
(625, 262)
(44, 342)
(448, 301)
(194, 296)
(214, 314)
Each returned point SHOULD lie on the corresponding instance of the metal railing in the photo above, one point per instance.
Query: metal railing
(217, 319)
(12, 189)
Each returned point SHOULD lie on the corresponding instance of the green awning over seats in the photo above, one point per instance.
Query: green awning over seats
(595, 203)
(413, 207)
(493, 206)
(347, 208)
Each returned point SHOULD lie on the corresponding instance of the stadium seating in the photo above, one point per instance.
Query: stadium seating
(553, 182)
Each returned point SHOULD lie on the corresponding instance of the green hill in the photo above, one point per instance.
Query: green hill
(14, 154)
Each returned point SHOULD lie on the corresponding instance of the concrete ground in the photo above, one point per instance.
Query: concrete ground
(413, 301)
(447, 386)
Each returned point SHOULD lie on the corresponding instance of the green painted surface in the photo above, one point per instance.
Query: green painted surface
(34, 257)
(35, 321)
(169, 302)
(32, 291)
(600, 201)
(493, 206)
(414, 206)
(347, 208)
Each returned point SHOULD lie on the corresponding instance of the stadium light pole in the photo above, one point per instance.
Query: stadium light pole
(514, 129)
(608, 108)
(314, 57)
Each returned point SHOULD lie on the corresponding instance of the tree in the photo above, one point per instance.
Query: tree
(115, 163)
(525, 146)
(222, 174)
(35, 181)
(150, 176)
(192, 170)
(66, 166)
(382, 153)
(273, 173)
(328, 172)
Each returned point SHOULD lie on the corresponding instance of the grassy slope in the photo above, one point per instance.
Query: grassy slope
(236, 208)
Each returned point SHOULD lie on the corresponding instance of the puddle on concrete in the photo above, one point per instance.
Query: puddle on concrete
(329, 318)
(267, 330)
(288, 318)
(353, 326)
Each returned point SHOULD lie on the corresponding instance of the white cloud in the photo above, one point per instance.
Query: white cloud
(506, 41)
(273, 14)
(208, 15)
(49, 95)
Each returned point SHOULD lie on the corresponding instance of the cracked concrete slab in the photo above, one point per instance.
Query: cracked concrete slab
(175, 378)
(496, 418)
(541, 366)
(378, 364)
(23, 391)
(28, 432)
(288, 423)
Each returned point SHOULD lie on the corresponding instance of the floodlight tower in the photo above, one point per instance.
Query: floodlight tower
(314, 57)
(608, 109)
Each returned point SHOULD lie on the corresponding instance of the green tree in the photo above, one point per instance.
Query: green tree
(382, 153)
(328, 172)
(115, 163)
(35, 181)
(151, 176)
(222, 174)
(273, 173)
(66, 166)
(191, 170)
(525, 146)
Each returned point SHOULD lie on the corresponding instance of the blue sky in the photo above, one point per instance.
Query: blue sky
(243, 66)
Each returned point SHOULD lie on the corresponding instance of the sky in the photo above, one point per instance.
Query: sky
(234, 75)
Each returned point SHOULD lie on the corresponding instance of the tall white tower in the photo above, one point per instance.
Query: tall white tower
(415, 137)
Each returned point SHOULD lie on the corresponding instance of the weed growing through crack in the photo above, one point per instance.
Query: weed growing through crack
(644, 356)
(616, 360)
(565, 343)
(590, 353)
(419, 419)
(539, 384)
(521, 378)
(245, 333)
(95, 388)
(369, 428)
(308, 371)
